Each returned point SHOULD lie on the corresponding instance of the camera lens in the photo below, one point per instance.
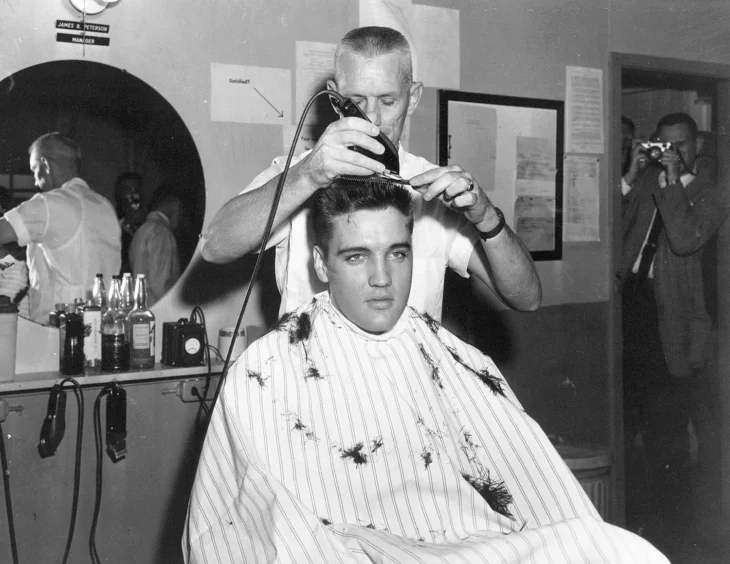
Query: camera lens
(655, 153)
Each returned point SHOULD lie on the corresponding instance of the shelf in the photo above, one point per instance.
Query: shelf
(34, 381)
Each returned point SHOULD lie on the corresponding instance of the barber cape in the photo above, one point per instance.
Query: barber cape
(329, 444)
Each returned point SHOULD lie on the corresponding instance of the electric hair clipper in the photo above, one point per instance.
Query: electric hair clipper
(389, 158)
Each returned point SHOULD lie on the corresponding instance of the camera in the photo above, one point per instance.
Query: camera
(655, 149)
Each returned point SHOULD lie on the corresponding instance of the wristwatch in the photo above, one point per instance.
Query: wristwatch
(492, 233)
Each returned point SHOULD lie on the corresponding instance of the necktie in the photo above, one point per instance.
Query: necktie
(649, 250)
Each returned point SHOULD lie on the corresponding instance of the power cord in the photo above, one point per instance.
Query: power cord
(8, 500)
(203, 415)
(51, 435)
(267, 235)
(99, 444)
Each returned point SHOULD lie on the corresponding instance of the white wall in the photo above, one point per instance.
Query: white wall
(510, 47)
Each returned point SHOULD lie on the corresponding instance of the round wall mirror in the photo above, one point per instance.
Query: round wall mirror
(123, 126)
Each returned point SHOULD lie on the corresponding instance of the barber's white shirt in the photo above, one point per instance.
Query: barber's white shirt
(441, 238)
(72, 234)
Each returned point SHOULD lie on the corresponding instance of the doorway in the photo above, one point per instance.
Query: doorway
(645, 89)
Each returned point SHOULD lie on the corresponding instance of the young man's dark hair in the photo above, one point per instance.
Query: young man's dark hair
(348, 196)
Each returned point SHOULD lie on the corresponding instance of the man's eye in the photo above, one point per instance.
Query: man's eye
(399, 255)
(354, 258)
(388, 101)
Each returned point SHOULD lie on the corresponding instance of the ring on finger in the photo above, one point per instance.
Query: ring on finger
(471, 186)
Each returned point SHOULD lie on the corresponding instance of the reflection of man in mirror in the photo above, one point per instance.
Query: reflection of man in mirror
(128, 197)
(153, 251)
(71, 231)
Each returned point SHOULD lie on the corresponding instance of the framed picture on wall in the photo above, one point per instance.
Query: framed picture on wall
(514, 149)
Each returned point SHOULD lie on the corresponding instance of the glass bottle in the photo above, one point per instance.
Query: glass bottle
(126, 294)
(92, 338)
(53, 316)
(79, 304)
(62, 320)
(98, 293)
(141, 328)
(73, 352)
(116, 279)
(114, 345)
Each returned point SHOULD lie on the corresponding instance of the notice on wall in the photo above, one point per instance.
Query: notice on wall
(581, 199)
(242, 94)
(584, 110)
(308, 137)
(315, 66)
(433, 33)
(535, 221)
(473, 141)
(535, 167)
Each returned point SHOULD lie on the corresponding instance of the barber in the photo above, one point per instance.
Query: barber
(456, 223)
(70, 230)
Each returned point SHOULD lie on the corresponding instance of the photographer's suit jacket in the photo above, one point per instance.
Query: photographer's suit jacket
(691, 216)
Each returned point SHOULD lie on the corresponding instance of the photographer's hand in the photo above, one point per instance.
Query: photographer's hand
(638, 162)
(671, 161)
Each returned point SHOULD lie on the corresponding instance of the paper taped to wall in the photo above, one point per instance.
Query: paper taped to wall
(243, 94)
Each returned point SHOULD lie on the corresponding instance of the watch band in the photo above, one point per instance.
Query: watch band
(492, 233)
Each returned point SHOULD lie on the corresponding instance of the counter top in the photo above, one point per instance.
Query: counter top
(45, 380)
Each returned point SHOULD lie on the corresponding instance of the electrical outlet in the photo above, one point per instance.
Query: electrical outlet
(186, 389)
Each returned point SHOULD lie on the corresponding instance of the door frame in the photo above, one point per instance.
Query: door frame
(720, 73)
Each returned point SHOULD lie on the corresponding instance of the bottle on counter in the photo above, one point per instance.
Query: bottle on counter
(79, 304)
(73, 352)
(62, 321)
(53, 316)
(92, 338)
(116, 279)
(98, 293)
(127, 293)
(114, 344)
(141, 328)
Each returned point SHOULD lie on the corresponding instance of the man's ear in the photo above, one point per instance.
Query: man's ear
(46, 165)
(415, 97)
(319, 264)
(333, 87)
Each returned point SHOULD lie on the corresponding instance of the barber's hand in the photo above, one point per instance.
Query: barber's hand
(456, 189)
(331, 157)
(671, 161)
(638, 162)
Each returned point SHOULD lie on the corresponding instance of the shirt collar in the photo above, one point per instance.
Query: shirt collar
(685, 179)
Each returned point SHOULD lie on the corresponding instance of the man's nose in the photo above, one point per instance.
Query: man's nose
(380, 274)
(373, 111)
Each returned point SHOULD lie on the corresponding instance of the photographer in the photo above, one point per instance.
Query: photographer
(671, 207)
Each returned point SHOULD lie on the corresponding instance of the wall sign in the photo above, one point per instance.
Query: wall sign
(81, 26)
(82, 39)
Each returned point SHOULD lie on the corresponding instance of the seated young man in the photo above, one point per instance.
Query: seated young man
(359, 430)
